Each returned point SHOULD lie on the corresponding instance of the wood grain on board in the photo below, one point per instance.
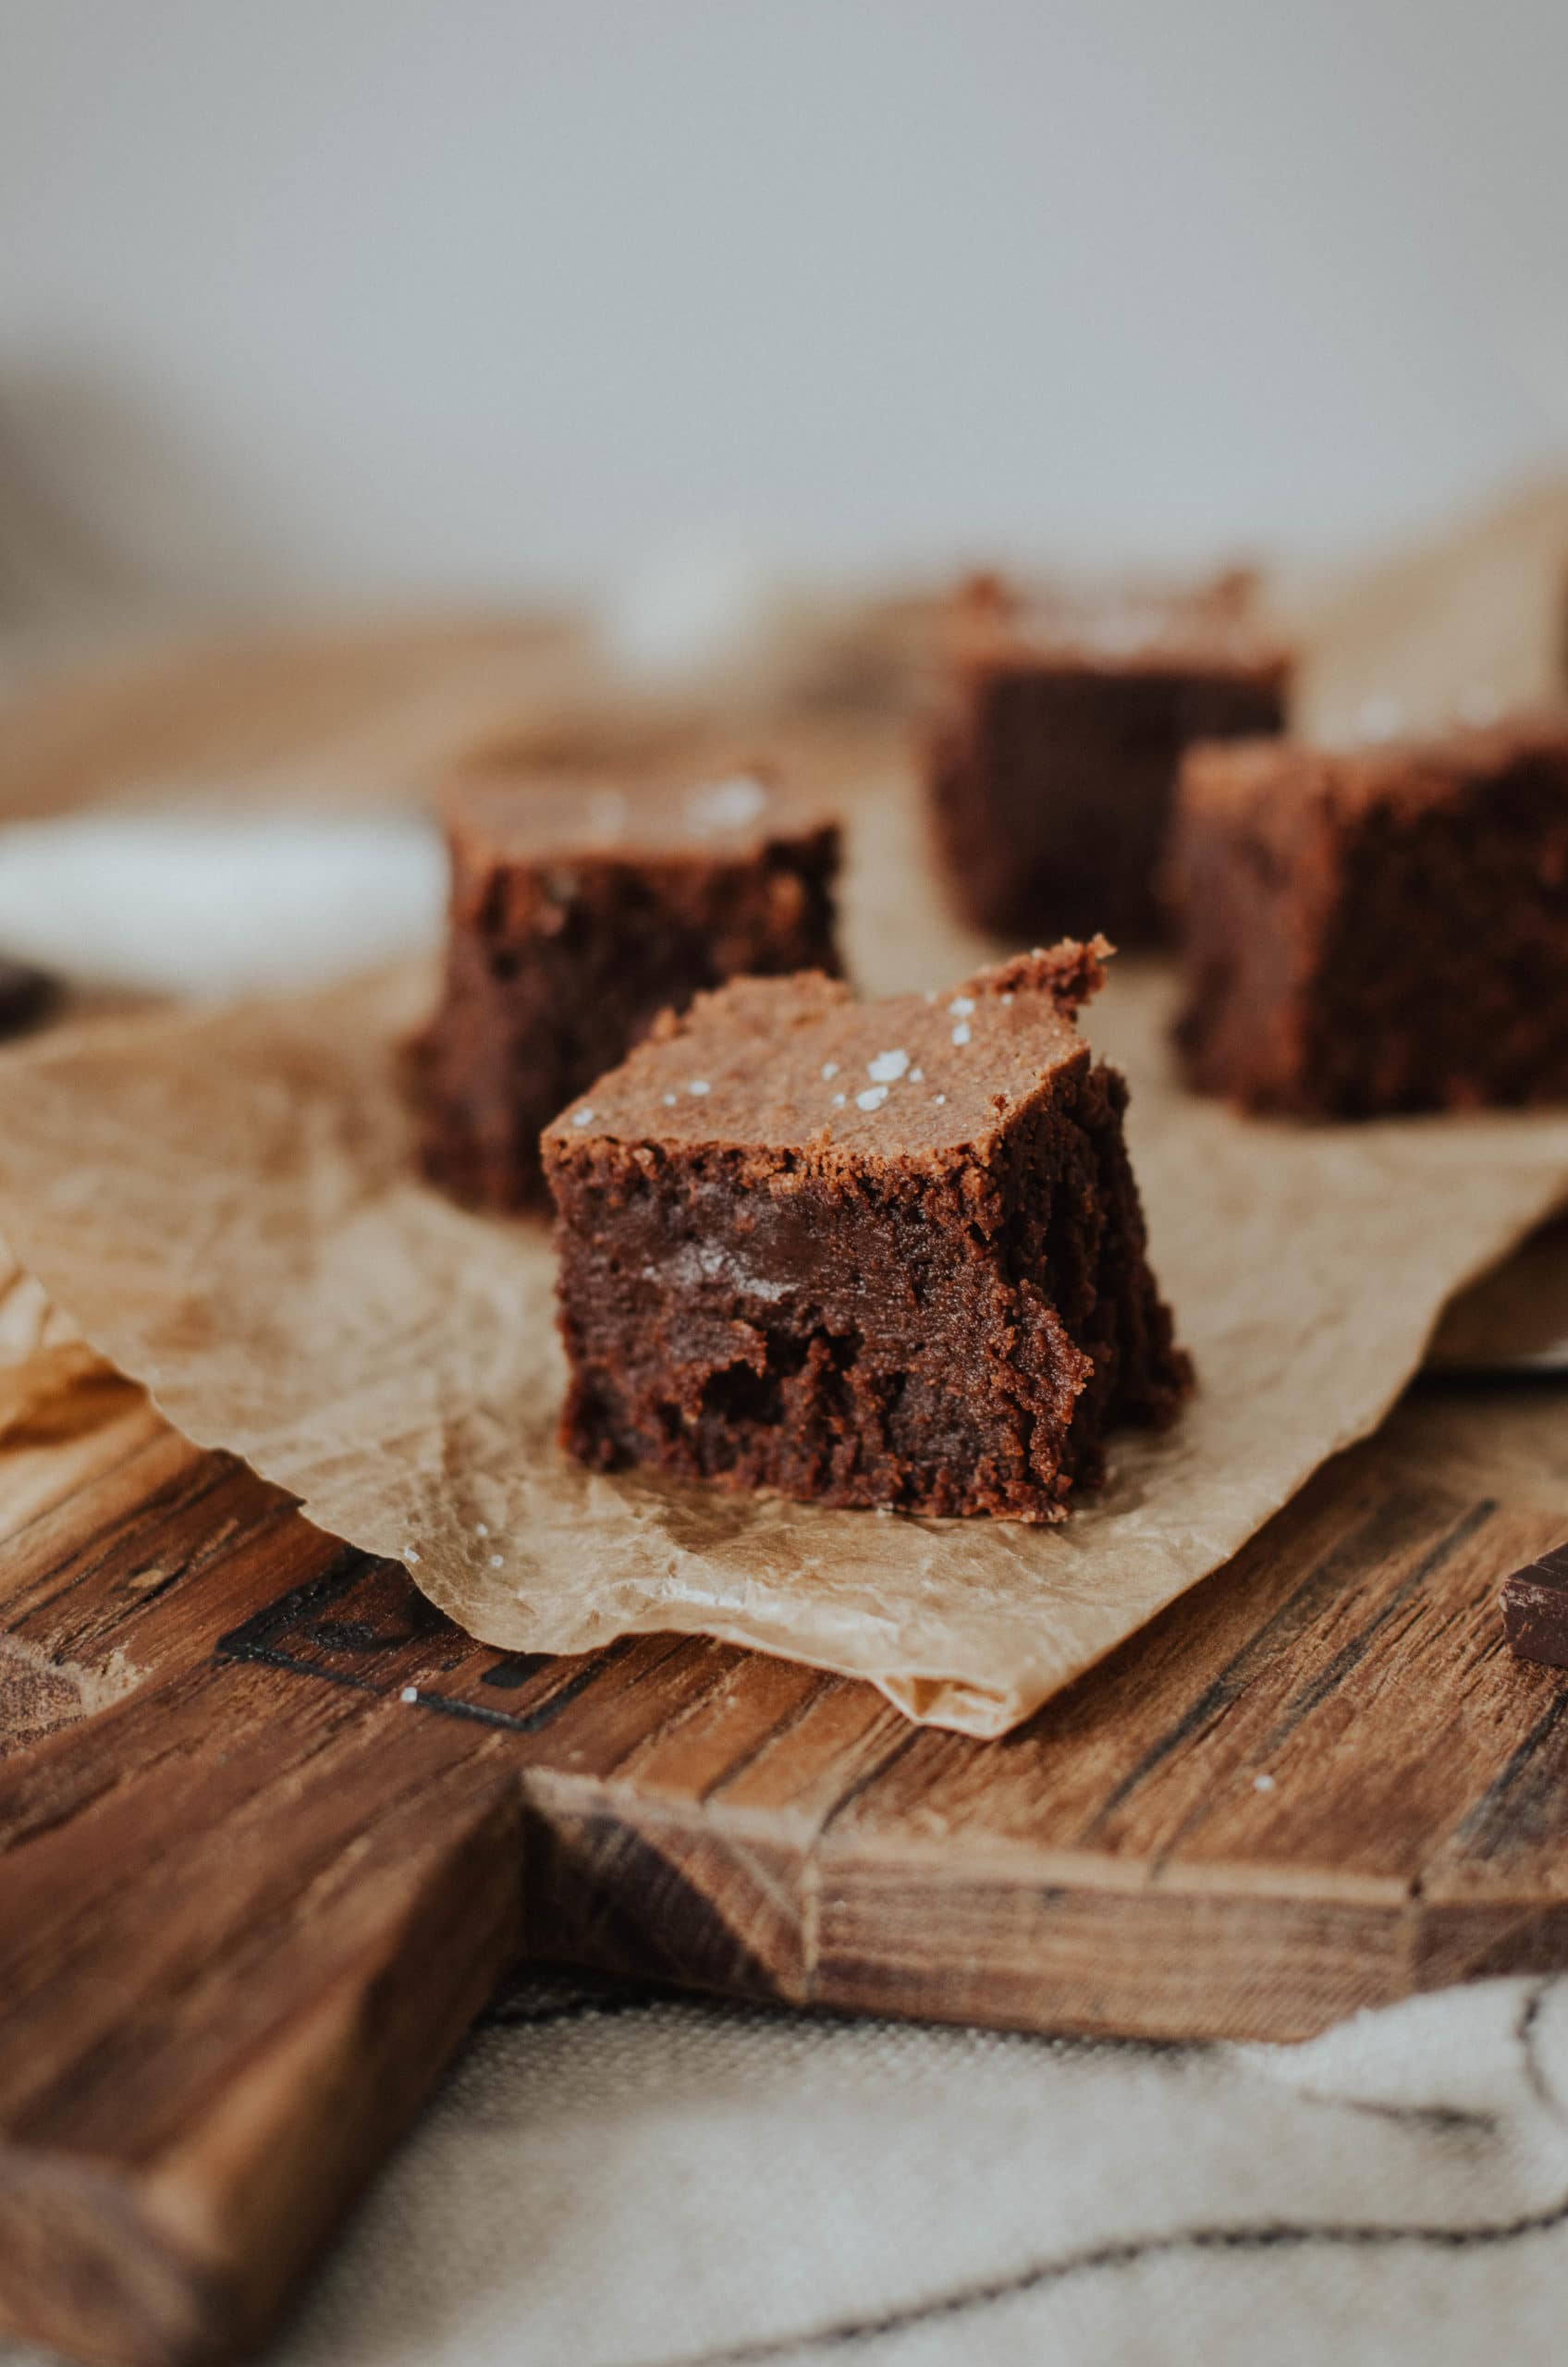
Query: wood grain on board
(271, 1829)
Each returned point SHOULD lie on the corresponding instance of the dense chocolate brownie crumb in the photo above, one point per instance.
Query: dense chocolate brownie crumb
(865, 1254)
(583, 905)
(1053, 764)
(1377, 929)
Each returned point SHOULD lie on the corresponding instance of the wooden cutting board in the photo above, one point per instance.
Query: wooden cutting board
(271, 1829)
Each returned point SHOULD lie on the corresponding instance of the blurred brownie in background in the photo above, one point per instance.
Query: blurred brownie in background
(585, 902)
(1379, 928)
(1052, 765)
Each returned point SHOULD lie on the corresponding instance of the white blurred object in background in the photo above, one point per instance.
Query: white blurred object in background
(699, 604)
(193, 903)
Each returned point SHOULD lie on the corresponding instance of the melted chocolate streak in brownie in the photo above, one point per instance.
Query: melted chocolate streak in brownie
(1270, 2235)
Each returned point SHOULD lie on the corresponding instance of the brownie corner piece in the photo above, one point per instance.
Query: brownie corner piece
(1051, 764)
(584, 902)
(1377, 930)
(885, 1254)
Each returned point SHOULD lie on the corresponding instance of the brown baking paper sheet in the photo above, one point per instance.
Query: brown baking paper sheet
(225, 1204)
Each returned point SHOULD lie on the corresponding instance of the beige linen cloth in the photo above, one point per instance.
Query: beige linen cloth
(622, 2182)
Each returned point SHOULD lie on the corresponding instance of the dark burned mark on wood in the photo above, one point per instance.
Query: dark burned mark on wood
(523, 1722)
(450, 1705)
(1269, 2235)
(262, 1655)
(285, 1633)
(346, 1635)
(535, 1721)
(259, 1636)
(303, 1615)
(510, 1675)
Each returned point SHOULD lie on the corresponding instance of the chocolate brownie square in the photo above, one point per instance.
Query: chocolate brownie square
(1052, 765)
(1378, 928)
(583, 904)
(868, 1253)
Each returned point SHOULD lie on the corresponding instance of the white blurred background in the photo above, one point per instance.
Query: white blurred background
(329, 301)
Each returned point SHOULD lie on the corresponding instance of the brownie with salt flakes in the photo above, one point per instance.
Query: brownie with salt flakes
(584, 902)
(885, 1254)
(1381, 928)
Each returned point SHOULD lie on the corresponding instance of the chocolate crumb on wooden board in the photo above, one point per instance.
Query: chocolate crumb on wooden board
(1052, 763)
(583, 903)
(27, 995)
(885, 1254)
(1381, 928)
(1535, 1609)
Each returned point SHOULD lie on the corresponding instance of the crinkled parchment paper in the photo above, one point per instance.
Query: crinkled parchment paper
(225, 1203)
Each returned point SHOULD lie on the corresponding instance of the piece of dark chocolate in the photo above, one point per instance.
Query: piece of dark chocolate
(1535, 1609)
